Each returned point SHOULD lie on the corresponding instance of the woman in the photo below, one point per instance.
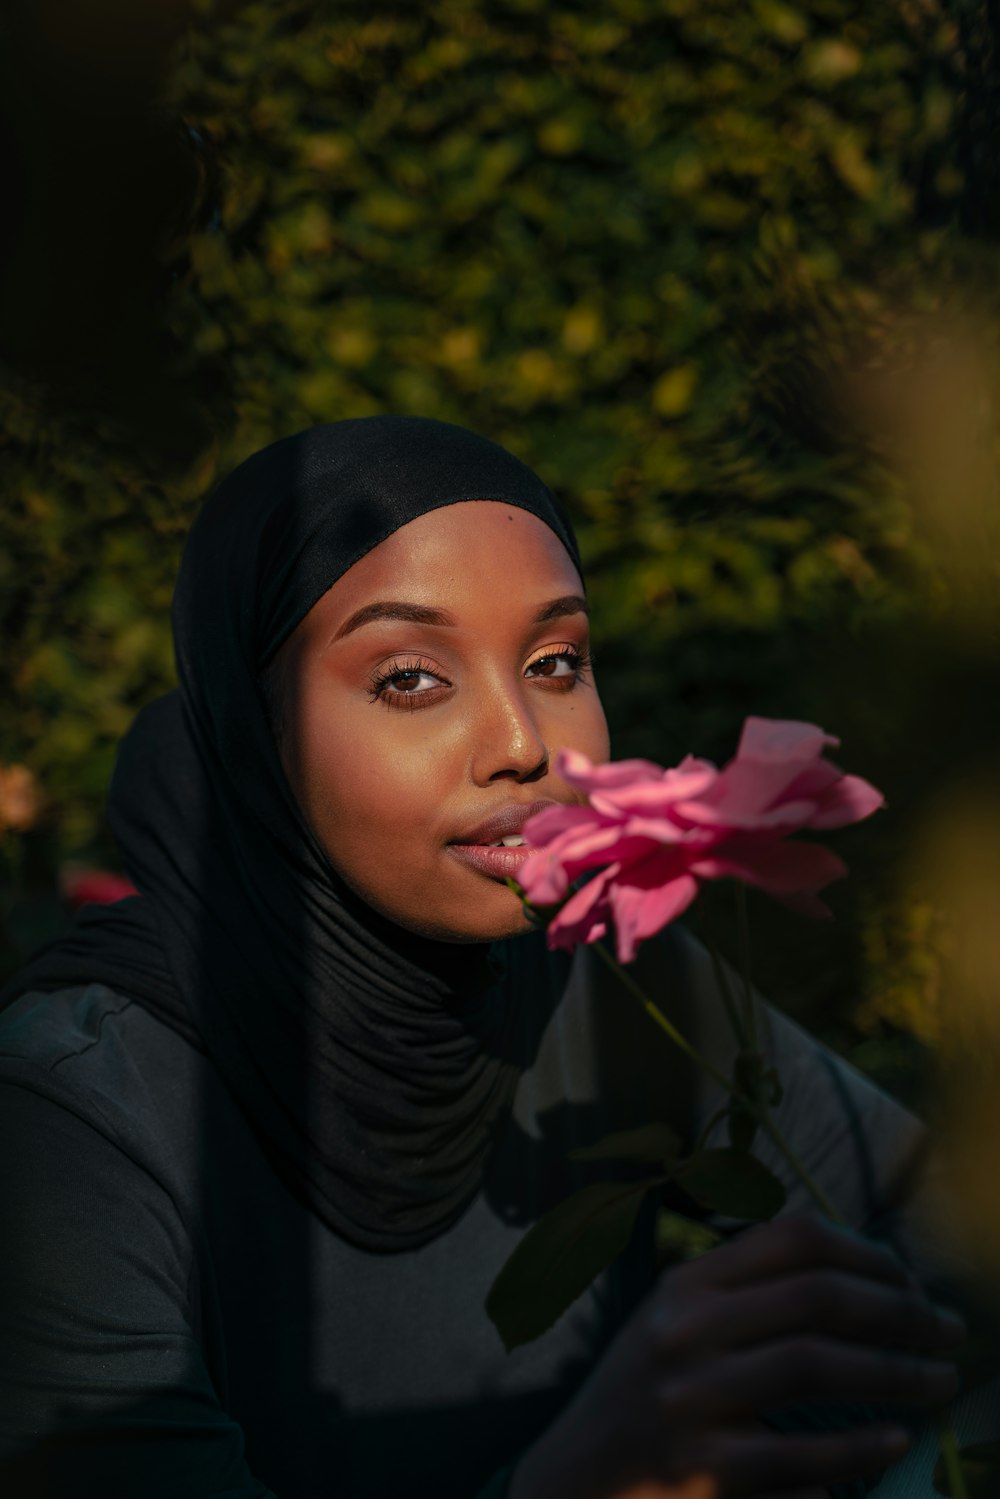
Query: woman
(273, 1126)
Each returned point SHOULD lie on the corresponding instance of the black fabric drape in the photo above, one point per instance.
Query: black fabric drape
(373, 1063)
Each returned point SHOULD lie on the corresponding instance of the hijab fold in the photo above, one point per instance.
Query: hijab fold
(373, 1064)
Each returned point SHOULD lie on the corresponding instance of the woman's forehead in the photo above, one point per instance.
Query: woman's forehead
(471, 530)
(458, 547)
(277, 533)
(455, 558)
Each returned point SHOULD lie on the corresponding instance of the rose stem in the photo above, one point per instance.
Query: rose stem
(759, 1110)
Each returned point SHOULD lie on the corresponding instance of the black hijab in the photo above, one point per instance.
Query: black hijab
(373, 1064)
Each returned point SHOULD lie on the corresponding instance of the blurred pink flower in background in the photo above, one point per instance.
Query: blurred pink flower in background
(659, 832)
(81, 886)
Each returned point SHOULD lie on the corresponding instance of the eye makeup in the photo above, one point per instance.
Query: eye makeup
(577, 658)
(396, 684)
(393, 683)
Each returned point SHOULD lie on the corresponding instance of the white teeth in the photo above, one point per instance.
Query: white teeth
(514, 841)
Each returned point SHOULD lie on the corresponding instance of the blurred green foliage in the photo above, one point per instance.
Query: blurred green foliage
(646, 245)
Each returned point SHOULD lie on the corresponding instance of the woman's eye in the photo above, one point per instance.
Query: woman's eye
(566, 664)
(405, 682)
(410, 681)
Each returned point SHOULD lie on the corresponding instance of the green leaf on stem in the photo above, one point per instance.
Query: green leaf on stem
(561, 1254)
(731, 1182)
(652, 1142)
(980, 1469)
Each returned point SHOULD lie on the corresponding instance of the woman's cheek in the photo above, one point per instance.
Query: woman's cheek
(394, 788)
(585, 728)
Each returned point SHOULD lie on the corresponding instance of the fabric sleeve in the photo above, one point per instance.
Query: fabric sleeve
(104, 1389)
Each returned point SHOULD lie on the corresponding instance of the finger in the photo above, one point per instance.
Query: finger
(788, 1371)
(799, 1241)
(776, 1462)
(851, 1307)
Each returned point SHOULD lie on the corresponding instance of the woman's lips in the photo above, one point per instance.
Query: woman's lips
(477, 846)
(498, 863)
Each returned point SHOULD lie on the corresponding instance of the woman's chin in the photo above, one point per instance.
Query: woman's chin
(498, 919)
(466, 907)
(516, 925)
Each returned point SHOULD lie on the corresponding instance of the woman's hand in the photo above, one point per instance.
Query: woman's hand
(793, 1311)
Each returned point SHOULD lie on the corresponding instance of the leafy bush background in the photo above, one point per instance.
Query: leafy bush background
(645, 245)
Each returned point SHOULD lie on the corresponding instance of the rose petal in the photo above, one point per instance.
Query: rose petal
(782, 739)
(545, 826)
(813, 780)
(543, 879)
(642, 904)
(785, 817)
(779, 868)
(545, 876)
(653, 796)
(665, 831)
(850, 800)
(567, 938)
(584, 916)
(578, 770)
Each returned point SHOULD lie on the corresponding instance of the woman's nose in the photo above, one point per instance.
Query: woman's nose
(509, 744)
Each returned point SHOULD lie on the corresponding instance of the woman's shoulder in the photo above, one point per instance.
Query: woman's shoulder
(85, 1031)
(51, 1028)
(101, 1279)
(90, 1052)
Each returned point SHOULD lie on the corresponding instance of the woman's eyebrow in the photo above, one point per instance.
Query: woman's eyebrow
(414, 614)
(570, 603)
(421, 614)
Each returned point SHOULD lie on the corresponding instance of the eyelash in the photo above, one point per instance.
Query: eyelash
(382, 681)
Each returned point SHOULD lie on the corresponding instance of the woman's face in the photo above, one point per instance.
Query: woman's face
(428, 693)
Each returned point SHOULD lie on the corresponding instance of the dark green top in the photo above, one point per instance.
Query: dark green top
(175, 1323)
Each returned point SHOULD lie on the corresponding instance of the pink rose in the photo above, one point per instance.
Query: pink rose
(93, 886)
(655, 833)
